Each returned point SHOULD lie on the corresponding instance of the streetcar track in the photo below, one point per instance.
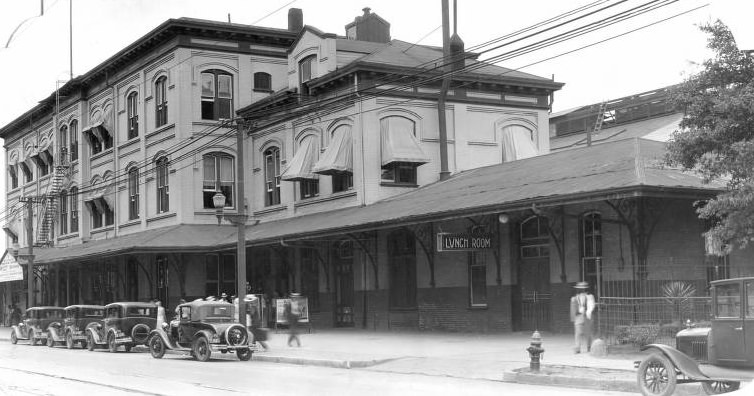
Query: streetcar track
(120, 388)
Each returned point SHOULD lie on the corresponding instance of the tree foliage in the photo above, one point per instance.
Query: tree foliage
(717, 136)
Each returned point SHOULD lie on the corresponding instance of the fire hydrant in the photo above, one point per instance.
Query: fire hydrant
(535, 351)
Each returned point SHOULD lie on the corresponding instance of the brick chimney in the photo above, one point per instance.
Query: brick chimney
(369, 27)
(295, 19)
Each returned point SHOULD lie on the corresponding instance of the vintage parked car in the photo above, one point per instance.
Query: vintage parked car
(35, 323)
(77, 317)
(202, 327)
(123, 323)
(720, 356)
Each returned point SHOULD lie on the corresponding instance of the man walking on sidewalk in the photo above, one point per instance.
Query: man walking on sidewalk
(582, 305)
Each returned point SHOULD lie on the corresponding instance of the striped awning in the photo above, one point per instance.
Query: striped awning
(518, 143)
(338, 157)
(300, 167)
(399, 143)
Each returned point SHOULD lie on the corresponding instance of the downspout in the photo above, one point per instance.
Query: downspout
(444, 173)
(361, 132)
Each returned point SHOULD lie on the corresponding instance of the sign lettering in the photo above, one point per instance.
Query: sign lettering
(10, 270)
(447, 242)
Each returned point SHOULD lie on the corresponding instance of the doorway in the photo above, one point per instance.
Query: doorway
(534, 295)
(342, 259)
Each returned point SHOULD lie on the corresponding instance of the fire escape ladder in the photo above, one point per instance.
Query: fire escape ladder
(48, 209)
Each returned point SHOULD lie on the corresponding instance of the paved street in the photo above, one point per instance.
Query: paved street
(40, 370)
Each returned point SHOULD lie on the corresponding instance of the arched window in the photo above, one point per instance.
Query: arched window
(518, 143)
(73, 201)
(591, 249)
(161, 101)
(262, 81)
(272, 176)
(63, 135)
(163, 197)
(402, 261)
(219, 175)
(534, 238)
(217, 94)
(74, 140)
(133, 193)
(63, 212)
(133, 114)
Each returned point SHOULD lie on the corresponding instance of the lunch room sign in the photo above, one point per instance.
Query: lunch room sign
(447, 242)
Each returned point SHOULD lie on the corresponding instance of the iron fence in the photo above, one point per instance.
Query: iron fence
(635, 307)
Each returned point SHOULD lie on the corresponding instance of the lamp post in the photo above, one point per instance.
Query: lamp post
(30, 255)
(238, 219)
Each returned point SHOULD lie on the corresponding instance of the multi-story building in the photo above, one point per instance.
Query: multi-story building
(359, 201)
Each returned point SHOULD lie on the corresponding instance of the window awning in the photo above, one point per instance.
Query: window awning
(400, 145)
(11, 230)
(103, 122)
(300, 167)
(13, 157)
(517, 143)
(101, 196)
(339, 154)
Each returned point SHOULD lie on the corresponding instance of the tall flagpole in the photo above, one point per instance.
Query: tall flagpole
(70, 36)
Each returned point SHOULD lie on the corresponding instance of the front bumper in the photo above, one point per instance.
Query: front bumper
(226, 347)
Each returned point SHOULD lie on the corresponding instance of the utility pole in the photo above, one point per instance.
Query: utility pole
(444, 173)
(70, 36)
(241, 223)
(30, 243)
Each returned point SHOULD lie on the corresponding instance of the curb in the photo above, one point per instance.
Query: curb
(572, 381)
(302, 361)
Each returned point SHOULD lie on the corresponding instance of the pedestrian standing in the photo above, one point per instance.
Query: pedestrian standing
(15, 316)
(292, 318)
(582, 306)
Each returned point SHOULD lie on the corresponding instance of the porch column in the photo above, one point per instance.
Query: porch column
(67, 285)
(57, 285)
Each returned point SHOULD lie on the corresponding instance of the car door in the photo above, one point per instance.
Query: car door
(749, 321)
(727, 326)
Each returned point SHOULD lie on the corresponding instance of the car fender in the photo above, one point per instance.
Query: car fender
(95, 335)
(166, 339)
(54, 332)
(686, 365)
(21, 335)
(207, 334)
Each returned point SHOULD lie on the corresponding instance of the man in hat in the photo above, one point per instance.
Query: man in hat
(582, 306)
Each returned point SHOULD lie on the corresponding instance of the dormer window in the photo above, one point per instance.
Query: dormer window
(305, 74)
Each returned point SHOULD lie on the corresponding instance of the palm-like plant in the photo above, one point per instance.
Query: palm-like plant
(678, 294)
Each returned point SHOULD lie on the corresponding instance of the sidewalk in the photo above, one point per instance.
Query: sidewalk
(460, 355)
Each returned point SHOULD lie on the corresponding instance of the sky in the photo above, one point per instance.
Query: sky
(37, 57)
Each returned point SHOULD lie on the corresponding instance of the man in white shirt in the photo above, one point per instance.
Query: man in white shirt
(582, 306)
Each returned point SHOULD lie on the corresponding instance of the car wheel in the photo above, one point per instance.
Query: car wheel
(111, 344)
(69, 340)
(89, 341)
(244, 355)
(13, 337)
(32, 339)
(201, 349)
(156, 347)
(718, 387)
(50, 340)
(656, 376)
